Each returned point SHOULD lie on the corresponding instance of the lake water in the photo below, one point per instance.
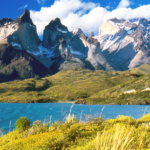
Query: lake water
(10, 112)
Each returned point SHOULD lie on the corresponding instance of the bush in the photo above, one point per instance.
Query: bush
(22, 124)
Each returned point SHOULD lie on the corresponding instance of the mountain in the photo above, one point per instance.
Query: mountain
(120, 45)
(64, 49)
(125, 43)
(20, 33)
(17, 38)
(69, 50)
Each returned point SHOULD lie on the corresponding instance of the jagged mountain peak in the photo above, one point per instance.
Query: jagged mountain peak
(24, 18)
(126, 27)
(91, 34)
(129, 22)
(56, 25)
(77, 31)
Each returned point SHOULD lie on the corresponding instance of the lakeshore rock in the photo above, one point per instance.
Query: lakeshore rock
(80, 101)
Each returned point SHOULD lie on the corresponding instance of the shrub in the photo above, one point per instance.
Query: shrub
(22, 124)
(38, 128)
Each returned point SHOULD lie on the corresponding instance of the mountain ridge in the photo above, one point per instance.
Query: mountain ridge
(120, 44)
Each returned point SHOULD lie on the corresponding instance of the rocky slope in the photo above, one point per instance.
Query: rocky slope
(18, 64)
(125, 42)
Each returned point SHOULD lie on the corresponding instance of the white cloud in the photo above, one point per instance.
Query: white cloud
(71, 9)
(86, 15)
(124, 3)
(23, 7)
(41, 1)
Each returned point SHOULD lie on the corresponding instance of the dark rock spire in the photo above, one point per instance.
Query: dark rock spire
(25, 18)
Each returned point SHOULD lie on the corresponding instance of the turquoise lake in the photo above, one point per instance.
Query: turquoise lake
(10, 112)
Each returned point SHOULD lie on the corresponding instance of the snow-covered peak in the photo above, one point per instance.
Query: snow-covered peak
(114, 26)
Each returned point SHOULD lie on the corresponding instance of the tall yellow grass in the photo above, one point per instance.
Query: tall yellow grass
(122, 133)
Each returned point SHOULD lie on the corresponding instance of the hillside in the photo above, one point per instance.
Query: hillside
(82, 86)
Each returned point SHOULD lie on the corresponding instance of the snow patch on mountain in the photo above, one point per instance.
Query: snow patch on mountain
(44, 51)
(61, 30)
(7, 30)
(75, 52)
(130, 31)
(16, 45)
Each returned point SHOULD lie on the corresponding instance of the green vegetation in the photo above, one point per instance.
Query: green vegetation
(82, 86)
(122, 133)
(22, 124)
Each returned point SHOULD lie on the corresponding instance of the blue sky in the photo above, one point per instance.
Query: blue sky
(86, 14)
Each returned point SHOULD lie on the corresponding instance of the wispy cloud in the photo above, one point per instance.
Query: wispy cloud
(86, 15)
(109, 6)
(42, 2)
(124, 3)
(23, 7)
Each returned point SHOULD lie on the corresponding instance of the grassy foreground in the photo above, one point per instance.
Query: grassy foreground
(122, 133)
(82, 86)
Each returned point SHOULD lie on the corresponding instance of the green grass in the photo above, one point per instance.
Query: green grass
(93, 87)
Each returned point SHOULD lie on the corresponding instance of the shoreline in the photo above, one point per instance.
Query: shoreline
(73, 102)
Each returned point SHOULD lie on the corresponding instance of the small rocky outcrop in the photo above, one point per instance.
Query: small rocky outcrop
(130, 91)
(80, 101)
